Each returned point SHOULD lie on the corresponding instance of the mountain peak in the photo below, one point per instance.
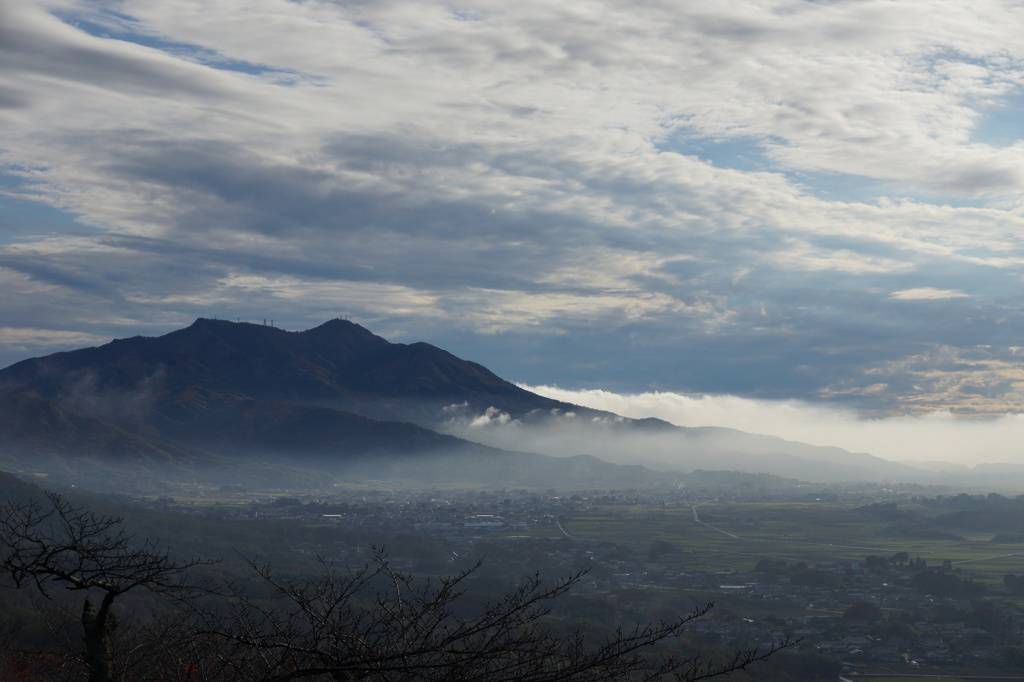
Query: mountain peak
(341, 328)
(338, 364)
(339, 323)
(337, 327)
(206, 323)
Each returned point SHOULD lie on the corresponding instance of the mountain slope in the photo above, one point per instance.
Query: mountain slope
(267, 445)
(33, 426)
(232, 423)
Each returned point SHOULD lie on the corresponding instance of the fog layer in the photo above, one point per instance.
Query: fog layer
(938, 436)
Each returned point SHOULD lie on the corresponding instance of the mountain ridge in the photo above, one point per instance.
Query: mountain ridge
(337, 364)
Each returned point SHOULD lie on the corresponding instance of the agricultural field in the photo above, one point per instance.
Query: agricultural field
(714, 536)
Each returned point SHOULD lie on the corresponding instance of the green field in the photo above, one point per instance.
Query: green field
(737, 535)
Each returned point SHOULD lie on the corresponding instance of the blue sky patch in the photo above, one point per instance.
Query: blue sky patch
(22, 218)
(118, 28)
(742, 154)
(1001, 126)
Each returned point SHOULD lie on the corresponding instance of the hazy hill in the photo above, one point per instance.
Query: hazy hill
(33, 427)
(232, 423)
(13, 489)
(754, 452)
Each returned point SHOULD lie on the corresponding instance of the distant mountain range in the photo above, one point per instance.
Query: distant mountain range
(231, 400)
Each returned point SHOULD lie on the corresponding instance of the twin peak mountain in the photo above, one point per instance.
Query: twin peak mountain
(240, 402)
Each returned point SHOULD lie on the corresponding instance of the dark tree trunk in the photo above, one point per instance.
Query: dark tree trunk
(99, 654)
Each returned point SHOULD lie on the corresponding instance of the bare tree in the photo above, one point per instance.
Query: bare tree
(373, 623)
(377, 623)
(52, 543)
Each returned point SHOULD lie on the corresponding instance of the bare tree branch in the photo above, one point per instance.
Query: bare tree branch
(411, 630)
(51, 542)
(372, 623)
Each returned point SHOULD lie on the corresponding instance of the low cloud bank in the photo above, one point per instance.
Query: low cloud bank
(565, 432)
(556, 433)
(939, 436)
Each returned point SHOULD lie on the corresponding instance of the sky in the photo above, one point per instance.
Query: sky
(812, 206)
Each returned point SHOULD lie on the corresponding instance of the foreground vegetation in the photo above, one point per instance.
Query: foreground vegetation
(340, 623)
(876, 581)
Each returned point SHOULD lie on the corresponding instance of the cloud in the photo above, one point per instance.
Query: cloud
(21, 337)
(932, 437)
(983, 380)
(532, 182)
(926, 294)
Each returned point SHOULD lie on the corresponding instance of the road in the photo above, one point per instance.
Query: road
(717, 530)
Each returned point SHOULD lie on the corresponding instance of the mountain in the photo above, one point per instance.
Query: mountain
(338, 364)
(218, 395)
(339, 398)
